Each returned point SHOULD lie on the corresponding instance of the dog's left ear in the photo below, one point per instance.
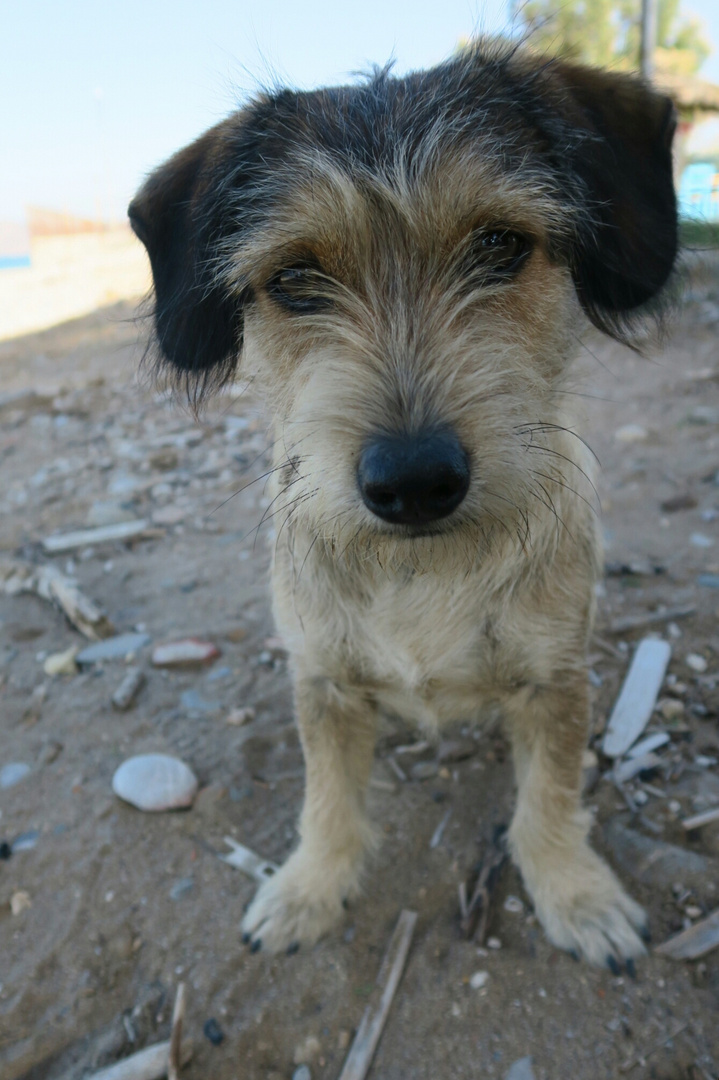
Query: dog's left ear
(181, 215)
(627, 241)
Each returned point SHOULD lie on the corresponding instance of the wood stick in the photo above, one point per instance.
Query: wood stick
(650, 618)
(698, 820)
(51, 584)
(368, 1034)
(699, 939)
(474, 915)
(103, 534)
(147, 1064)
(178, 1018)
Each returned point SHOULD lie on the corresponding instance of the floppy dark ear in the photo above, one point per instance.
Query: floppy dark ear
(181, 215)
(628, 242)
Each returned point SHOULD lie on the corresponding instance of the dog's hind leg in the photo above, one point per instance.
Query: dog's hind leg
(304, 899)
(578, 900)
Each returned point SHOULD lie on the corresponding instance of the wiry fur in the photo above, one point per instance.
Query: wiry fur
(384, 186)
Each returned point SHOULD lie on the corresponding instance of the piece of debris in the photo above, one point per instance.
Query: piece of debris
(113, 648)
(701, 540)
(174, 1053)
(123, 530)
(479, 979)
(243, 859)
(26, 841)
(302, 1073)
(650, 618)
(51, 584)
(13, 773)
(148, 1064)
(698, 820)
(632, 766)
(684, 501)
(639, 693)
(61, 663)
(696, 663)
(671, 708)
(306, 1051)
(453, 750)
(439, 831)
(424, 770)
(184, 653)
(240, 717)
(655, 862)
(126, 693)
(20, 901)
(474, 914)
(155, 782)
(521, 1070)
(212, 1031)
(649, 743)
(514, 905)
(359, 1059)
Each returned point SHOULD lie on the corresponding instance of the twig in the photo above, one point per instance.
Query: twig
(474, 915)
(51, 584)
(699, 939)
(147, 1064)
(639, 1059)
(698, 820)
(650, 618)
(103, 534)
(368, 1034)
(178, 1019)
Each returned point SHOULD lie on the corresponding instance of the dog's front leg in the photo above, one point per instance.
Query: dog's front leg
(579, 901)
(305, 898)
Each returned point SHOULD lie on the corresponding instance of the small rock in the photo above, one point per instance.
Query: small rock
(630, 433)
(13, 773)
(671, 708)
(181, 887)
(240, 717)
(61, 663)
(514, 905)
(494, 943)
(212, 1031)
(20, 901)
(521, 1070)
(155, 782)
(654, 862)
(306, 1051)
(164, 459)
(691, 910)
(303, 1073)
(126, 693)
(700, 540)
(479, 979)
(696, 663)
(451, 750)
(26, 841)
(183, 653)
(424, 770)
(113, 648)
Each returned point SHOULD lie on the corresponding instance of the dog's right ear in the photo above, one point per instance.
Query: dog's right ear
(182, 215)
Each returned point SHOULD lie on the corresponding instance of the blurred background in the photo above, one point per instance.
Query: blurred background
(95, 95)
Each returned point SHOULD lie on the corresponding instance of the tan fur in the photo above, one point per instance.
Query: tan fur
(493, 612)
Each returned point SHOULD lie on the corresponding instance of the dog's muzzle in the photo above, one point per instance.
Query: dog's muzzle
(413, 479)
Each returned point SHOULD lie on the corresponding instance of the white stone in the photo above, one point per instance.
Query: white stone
(479, 979)
(696, 663)
(155, 782)
(13, 773)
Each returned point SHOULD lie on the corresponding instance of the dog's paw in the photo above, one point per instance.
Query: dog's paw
(585, 910)
(291, 909)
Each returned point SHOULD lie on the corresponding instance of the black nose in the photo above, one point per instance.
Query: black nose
(413, 479)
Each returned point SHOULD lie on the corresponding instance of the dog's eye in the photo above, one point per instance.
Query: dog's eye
(497, 254)
(301, 288)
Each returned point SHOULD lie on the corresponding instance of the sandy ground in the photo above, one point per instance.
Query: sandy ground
(71, 276)
(121, 906)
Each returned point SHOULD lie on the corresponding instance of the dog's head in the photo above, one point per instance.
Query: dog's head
(401, 265)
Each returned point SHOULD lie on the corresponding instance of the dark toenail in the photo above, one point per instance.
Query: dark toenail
(246, 938)
(293, 948)
(256, 945)
(613, 966)
(631, 969)
(574, 954)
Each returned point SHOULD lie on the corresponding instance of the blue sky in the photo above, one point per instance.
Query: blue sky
(94, 93)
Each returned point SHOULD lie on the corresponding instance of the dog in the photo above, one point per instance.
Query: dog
(404, 267)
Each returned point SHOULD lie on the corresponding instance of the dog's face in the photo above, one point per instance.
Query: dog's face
(402, 267)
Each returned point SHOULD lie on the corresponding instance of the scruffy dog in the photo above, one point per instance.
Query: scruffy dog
(403, 267)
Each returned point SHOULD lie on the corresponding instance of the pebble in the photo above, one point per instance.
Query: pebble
(478, 980)
(126, 693)
(20, 901)
(307, 1050)
(424, 770)
(700, 540)
(155, 782)
(696, 663)
(494, 943)
(113, 648)
(61, 663)
(303, 1073)
(654, 862)
(451, 750)
(240, 717)
(692, 911)
(212, 1031)
(514, 905)
(13, 773)
(671, 708)
(184, 652)
(521, 1070)
(630, 433)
